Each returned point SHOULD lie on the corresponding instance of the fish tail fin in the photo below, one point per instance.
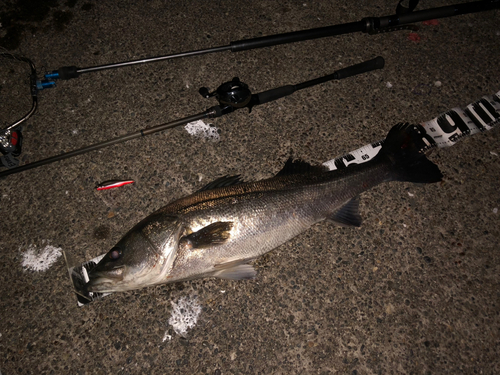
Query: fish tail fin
(407, 158)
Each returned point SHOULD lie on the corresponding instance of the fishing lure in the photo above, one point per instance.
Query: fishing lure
(111, 184)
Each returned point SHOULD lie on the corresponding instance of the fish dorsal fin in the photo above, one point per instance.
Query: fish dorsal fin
(234, 270)
(213, 234)
(348, 215)
(300, 167)
(223, 182)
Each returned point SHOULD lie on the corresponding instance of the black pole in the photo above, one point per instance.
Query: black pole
(152, 59)
(280, 92)
(366, 25)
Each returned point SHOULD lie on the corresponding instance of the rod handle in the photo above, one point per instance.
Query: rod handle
(366, 66)
(296, 36)
(274, 94)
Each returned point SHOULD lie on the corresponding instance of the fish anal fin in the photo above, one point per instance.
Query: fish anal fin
(214, 234)
(348, 215)
(235, 271)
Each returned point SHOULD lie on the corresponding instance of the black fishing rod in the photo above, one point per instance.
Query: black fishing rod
(372, 25)
(231, 95)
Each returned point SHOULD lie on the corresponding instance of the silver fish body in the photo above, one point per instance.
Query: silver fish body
(217, 231)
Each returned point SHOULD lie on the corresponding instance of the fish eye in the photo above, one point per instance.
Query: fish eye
(115, 253)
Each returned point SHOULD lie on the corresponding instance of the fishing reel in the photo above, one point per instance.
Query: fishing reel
(11, 141)
(234, 93)
(11, 138)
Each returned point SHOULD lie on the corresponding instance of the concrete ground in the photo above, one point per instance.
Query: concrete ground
(415, 290)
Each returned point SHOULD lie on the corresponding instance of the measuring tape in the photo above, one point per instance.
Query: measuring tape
(442, 131)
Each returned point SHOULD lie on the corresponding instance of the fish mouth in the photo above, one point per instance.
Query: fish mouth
(101, 285)
(104, 281)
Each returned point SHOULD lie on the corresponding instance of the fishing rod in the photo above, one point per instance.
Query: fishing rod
(371, 25)
(231, 96)
(11, 137)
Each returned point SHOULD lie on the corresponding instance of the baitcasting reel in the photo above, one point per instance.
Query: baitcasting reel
(233, 93)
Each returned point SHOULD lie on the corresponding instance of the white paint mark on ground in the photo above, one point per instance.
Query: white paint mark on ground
(166, 337)
(411, 194)
(35, 259)
(199, 129)
(185, 314)
(493, 153)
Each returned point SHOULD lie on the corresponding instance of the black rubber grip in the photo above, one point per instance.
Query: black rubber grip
(68, 72)
(296, 36)
(376, 63)
(270, 95)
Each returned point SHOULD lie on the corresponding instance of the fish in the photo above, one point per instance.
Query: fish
(219, 230)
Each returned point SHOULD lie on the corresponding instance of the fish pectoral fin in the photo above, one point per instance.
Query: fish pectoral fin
(213, 234)
(234, 271)
(348, 215)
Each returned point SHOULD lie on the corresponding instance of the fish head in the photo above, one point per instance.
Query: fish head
(143, 257)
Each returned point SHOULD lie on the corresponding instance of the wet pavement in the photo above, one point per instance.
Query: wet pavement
(415, 290)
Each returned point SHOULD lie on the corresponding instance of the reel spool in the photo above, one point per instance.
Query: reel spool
(233, 93)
